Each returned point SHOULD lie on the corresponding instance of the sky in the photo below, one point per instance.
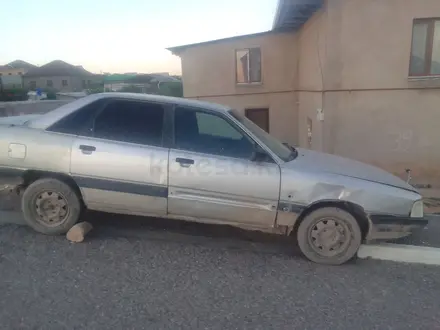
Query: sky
(122, 36)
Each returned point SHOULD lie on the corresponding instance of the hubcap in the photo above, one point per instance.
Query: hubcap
(51, 208)
(329, 237)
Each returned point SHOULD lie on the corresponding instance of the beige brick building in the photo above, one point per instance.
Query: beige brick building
(357, 78)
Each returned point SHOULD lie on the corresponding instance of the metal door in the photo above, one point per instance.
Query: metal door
(217, 186)
(121, 177)
(122, 166)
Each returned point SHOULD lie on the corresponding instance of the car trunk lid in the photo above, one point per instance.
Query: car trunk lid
(17, 120)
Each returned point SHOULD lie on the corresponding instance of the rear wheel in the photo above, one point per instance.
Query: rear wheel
(329, 236)
(50, 206)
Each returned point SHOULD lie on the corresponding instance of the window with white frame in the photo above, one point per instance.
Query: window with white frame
(425, 49)
(248, 65)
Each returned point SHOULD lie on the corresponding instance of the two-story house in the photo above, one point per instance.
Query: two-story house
(357, 78)
(59, 76)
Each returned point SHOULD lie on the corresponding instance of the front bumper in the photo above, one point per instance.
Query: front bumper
(388, 227)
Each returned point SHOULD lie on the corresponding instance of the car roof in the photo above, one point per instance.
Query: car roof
(53, 116)
(166, 99)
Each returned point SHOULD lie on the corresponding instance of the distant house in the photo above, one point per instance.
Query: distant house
(19, 64)
(60, 76)
(11, 74)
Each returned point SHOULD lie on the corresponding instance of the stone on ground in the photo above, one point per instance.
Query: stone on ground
(78, 232)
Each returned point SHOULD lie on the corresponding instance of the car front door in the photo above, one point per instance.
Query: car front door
(211, 175)
(120, 163)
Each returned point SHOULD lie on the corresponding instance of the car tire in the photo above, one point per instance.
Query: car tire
(50, 206)
(329, 236)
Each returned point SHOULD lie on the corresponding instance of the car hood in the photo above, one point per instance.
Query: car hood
(17, 120)
(322, 162)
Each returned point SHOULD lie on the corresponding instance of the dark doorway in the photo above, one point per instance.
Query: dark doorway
(259, 117)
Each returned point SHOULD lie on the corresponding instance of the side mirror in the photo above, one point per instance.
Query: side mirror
(258, 155)
(287, 145)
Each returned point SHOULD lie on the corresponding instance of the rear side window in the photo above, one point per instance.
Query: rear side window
(130, 121)
(77, 122)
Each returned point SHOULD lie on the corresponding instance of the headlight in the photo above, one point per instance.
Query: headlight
(417, 210)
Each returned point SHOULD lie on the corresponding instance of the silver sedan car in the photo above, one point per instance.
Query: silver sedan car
(189, 160)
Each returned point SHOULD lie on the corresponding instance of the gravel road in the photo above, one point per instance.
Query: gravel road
(163, 275)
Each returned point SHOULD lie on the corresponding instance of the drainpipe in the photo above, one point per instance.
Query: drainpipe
(321, 111)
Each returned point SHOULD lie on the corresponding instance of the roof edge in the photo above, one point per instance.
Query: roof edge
(290, 15)
(305, 8)
(178, 49)
(280, 6)
(90, 74)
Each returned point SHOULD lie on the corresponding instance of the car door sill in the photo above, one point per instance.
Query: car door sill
(109, 209)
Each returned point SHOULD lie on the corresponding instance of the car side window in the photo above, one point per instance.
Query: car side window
(208, 133)
(214, 126)
(130, 121)
(76, 122)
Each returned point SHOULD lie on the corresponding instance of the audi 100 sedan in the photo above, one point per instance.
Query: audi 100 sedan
(190, 160)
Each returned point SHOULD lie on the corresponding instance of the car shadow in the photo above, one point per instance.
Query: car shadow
(117, 225)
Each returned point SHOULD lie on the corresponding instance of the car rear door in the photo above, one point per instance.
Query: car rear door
(120, 163)
(211, 176)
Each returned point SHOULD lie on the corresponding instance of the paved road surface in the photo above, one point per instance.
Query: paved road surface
(133, 274)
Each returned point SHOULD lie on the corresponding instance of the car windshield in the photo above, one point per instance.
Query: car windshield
(282, 150)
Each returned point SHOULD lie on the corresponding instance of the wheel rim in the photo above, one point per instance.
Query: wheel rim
(51, 208)
(329, 237)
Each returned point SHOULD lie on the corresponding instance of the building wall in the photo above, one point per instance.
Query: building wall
(392, 129)
(74, 84)
(12, 71)
(350, 60)
(311, 65)
(11, 77)
(375, 36)
(13, 81)
(209, 74)
(209, 70)
(373, 111)
(312, 53)
(308, 105)
(283, 112)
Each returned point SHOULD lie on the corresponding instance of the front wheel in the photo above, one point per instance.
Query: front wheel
(50, 206)
(329, 236)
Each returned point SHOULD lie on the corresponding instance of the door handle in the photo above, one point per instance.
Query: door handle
(87, 149)
(185, 162)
